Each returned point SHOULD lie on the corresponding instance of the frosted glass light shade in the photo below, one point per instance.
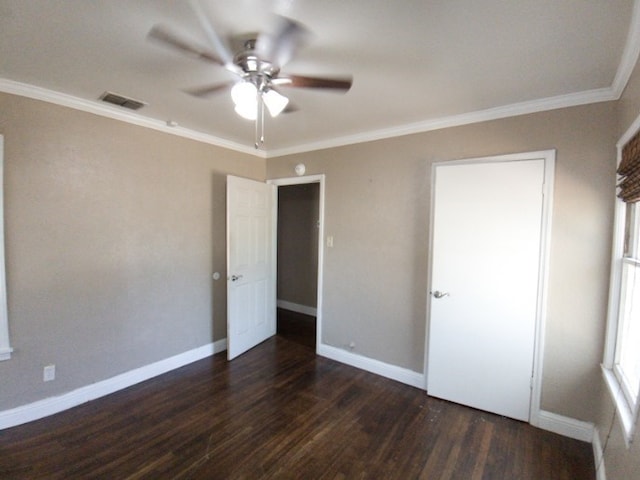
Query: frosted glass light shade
(245, 98)
(275, 102)
(250, 113)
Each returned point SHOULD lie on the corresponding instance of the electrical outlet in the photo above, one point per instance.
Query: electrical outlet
(352, 345)
(49, 373)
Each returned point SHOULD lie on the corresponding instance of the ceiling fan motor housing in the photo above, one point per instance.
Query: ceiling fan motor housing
(255, 69)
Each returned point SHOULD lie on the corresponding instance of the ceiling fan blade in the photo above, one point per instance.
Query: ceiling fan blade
(216, 42)
(170, 39)
(300, 81)
(207, 90)
(280, 45)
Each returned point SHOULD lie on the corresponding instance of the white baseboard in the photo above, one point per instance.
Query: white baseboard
(296, 307)
(566, 426)
(393, 372)
(49, 406)
(598, 456)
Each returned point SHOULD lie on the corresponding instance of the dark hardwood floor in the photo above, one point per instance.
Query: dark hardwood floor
(280, 412)
(297, 327)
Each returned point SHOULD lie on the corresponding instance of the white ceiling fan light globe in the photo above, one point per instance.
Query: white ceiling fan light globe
(248, 112)
(243, 92)
(245, 97)
(275, 102)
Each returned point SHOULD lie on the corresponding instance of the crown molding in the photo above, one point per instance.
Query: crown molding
(626, 66)
(513, 110)
(630, 53)
(523, 108)
(104, 110)
(625, 69)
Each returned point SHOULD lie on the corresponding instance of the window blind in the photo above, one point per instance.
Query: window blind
(629, 170)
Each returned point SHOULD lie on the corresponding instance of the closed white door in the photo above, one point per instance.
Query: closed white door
(485, 275)
(251, 307)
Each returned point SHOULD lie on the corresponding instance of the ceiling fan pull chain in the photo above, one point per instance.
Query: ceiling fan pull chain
(261, 120)
(256, 134)
(259, 131)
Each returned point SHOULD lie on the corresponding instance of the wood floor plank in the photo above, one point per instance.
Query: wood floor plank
(281, 412)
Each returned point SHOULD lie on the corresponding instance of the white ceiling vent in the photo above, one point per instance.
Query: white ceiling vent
(121, 101)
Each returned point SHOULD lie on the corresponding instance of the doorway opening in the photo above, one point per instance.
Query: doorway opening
(299, 259)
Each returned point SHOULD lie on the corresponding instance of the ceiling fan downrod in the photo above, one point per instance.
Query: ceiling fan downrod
(259, 131)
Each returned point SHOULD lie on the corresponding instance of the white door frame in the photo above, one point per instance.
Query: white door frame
(280, 182)
(549, 157)
(5, 346)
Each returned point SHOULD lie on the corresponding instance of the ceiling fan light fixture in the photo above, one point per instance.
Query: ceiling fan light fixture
(256, 65)
(275, 102)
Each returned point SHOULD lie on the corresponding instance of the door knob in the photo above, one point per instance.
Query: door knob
(439, 294)
(235, 277)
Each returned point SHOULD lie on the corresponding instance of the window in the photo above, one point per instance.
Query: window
(621, 364)
(5, 349)
(626, 364)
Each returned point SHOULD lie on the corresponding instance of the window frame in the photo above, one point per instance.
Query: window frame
(626, 406)
(628, 263)
(5, 346)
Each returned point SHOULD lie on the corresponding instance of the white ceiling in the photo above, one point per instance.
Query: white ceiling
(417, 64)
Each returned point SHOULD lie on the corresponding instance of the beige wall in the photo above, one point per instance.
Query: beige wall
(377, 209)
(112, 234)
(298, 209)
(620, 463)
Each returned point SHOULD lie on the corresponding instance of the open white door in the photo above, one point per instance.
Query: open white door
(486, 271)
(251, 281)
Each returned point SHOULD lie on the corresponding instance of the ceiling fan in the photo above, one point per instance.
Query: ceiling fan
(256, 63)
